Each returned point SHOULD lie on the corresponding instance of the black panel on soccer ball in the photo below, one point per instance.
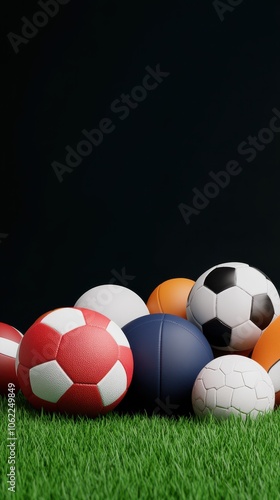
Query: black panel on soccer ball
(262, 310)
(217, 333)
(220, 279)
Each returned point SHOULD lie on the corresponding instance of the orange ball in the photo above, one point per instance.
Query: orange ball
(267, 353)
(170, 297)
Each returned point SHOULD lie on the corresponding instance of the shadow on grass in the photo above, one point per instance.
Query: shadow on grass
(160, 408)
(126, 408)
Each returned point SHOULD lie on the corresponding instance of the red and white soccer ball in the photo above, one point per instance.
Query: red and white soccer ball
(75, 361)
(10, 338)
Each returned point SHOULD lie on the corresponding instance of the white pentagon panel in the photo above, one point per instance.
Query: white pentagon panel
(210, 399)
(245, 336)
(227, 363)
(273, 294)
(243, 364)
(251, 280)
(234, 380)
(198, 405)
(117, 334)
(64, 320)
(233, 306)
(199, 387)
(213, 379)
(113, 385)
(274, 374)
(224, 396)
(8, 347)
(48, 381)
(264, 390)
(203, 305)
(265, 404)
(251, 378)
(244, 399)
(199, 394)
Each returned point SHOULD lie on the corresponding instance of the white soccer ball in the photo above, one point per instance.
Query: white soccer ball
(233, 385)
(117, 302)
(232, 303)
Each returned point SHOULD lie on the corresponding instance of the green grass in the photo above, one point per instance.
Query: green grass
(131, 457)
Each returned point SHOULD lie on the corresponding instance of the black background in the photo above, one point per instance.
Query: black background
(117, 212)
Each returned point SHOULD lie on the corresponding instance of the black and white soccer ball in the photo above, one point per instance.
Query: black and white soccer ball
(232, 303)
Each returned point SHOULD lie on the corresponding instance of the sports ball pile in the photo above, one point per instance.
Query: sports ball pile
(210, 346)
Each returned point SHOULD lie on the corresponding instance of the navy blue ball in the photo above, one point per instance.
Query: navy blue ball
(168, 353)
